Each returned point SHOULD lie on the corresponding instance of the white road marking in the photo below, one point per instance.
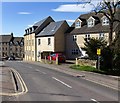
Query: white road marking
(101, 84)
(40, 71)
(95, 100)
(62, 82)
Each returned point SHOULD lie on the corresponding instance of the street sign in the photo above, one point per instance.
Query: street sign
(98, 51)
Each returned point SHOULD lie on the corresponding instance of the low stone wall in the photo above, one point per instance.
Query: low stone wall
(87, 62)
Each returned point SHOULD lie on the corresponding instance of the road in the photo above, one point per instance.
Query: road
(49, 85)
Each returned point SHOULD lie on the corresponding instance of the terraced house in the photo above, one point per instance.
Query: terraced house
(30, 38)
(87, 26)
(11, 46)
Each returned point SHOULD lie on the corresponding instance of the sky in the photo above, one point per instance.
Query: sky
(17, 16)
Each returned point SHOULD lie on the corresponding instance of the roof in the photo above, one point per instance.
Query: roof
(41, 24)
(51, 29)
(17, 39)
(97, 28)
(5, 38)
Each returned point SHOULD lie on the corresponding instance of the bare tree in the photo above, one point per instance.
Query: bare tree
(108, 8)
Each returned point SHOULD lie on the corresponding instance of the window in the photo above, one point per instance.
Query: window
(105, 21)
(77, 24)
(87, 37)
(16, 43)
(75, 52)
(101, 35)
(90, 22)
(32, 53)
(32, 41)
(29, 42)
(49, 41)
(74, 37)
(21, 43)
(11, 43)
(39, 41)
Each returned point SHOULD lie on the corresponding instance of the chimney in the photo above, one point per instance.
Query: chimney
(12, 34)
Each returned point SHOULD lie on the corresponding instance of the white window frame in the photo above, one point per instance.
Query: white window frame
(78, 23)
(74, 37)
(91, 22)
(101, 35)
(87, 36)
(105, 20)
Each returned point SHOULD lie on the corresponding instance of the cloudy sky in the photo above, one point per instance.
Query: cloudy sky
(17, 16)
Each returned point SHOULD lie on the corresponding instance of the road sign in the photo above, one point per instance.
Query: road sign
(98, 51)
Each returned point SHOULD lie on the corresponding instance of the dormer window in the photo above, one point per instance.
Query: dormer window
(25, 31)
(11, 43)
(91, 22)
(30, 30)
(78, 23)
(16, 43)
(21, 43)
(105, 20)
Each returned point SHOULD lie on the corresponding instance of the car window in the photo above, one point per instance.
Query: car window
(53, 55)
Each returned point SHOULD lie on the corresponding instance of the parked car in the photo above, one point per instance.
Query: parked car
(61, 57)
(3, 58)
(11, 58)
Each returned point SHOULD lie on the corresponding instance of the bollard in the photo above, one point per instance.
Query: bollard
(40, 58)
(57, 60)
(45, 59)
(50, 59)
(76, 61)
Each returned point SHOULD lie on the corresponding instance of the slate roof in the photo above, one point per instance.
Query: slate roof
(41, 24)
(98, 27)
(17, 39)
(51, 29)
(5, 38)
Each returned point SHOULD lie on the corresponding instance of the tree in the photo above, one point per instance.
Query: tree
(92, 45)
(110, 10)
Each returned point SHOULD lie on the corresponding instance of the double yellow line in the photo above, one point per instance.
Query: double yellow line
(21, 82)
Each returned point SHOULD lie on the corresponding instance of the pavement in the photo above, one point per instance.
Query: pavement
(7, 85)
(105, 80)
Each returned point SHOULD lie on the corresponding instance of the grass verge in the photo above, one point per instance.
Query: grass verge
(85, 68)
(93, 69)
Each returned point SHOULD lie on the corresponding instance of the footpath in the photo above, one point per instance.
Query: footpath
(6, 81)
(105, 80)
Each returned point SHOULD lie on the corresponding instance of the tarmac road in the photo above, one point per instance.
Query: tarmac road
(50, 85)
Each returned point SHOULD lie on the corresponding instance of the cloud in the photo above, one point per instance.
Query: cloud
(70, 21)
(77, 7)
(30, 25)
(24, 13)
